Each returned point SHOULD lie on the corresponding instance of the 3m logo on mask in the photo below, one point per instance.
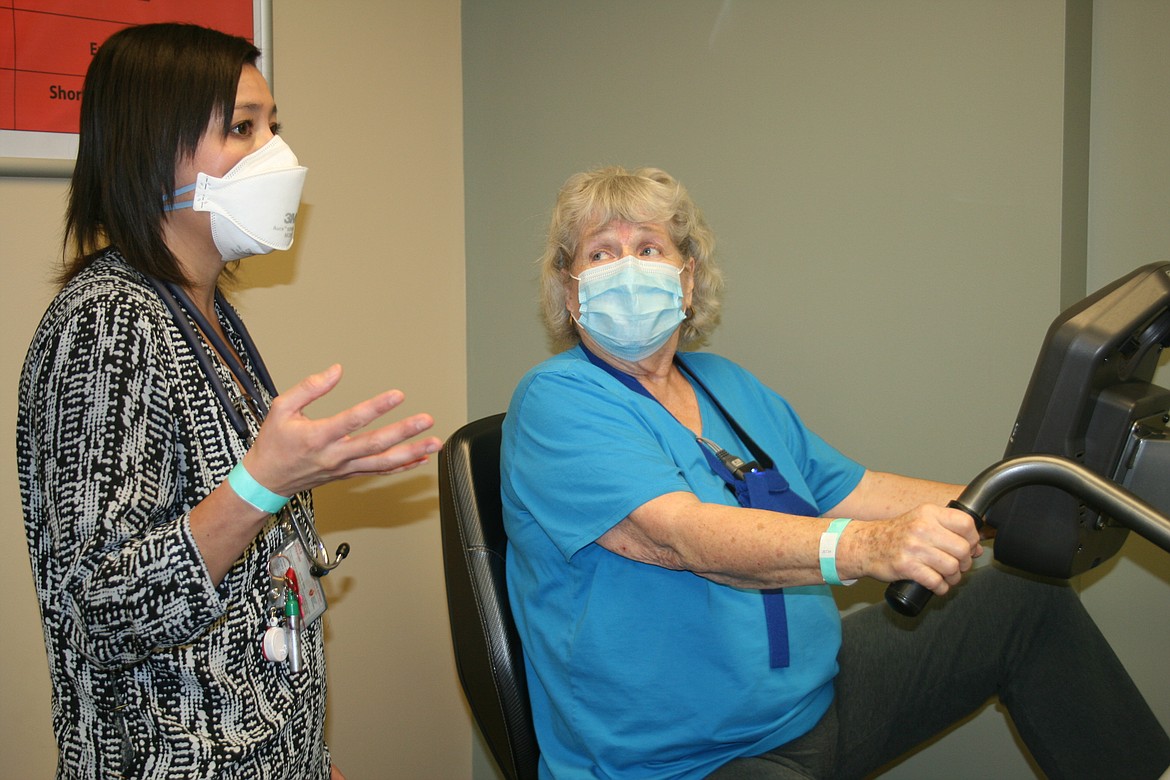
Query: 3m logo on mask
(253, 207)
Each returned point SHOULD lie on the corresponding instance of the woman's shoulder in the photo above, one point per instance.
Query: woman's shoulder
(716, 366)
(570, 363)
(108, 274)
(563, 381)
(731, 378)
(573, 364)
(107, 281)
(107, 290)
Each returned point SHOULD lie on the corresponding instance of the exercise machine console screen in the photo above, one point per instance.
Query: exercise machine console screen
(1091, 399)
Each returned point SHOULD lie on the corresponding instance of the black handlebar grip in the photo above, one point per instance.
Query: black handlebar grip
(907, 596)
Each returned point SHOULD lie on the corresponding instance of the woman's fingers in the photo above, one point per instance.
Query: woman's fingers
(932, 545)
(391, 448)
(388, 436)
(401, 457)
(360, 415)
(297, 453)
(294, 400)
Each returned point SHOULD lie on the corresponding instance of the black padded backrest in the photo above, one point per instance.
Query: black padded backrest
(487, 647)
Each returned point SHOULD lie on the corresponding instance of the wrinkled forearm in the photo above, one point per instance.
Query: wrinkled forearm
(743, 548)
(882, 495)
(903, 535)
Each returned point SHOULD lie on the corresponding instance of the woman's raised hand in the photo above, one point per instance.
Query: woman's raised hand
(293, 452)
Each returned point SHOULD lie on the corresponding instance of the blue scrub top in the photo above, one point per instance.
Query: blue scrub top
(634, 670)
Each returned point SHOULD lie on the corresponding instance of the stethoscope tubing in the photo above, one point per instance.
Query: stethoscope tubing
(182, 311)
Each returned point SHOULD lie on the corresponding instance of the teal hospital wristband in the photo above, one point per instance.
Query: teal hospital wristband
(253, 492)
(828, 552)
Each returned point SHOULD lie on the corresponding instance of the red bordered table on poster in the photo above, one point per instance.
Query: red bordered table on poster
(46, 47)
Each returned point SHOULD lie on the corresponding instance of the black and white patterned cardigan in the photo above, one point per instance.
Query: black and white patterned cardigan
(156, 673)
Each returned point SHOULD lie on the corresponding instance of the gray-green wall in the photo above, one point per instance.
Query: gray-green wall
(903, 201)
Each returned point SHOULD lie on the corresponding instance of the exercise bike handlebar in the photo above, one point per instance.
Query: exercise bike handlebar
(1104, 496)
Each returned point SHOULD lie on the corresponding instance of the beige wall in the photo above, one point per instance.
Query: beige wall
(370, 96)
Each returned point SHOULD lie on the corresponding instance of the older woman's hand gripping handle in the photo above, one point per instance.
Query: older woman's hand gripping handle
(1096, 491)
(907, 596)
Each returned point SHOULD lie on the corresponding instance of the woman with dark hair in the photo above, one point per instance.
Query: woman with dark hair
(161, 475)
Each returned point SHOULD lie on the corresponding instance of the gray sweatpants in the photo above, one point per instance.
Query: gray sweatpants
(1029, 642)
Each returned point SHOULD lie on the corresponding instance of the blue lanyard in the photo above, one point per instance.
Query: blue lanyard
(182, 312)
(756, 485)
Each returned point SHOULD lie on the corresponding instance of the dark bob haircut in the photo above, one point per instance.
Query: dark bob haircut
(150, 94)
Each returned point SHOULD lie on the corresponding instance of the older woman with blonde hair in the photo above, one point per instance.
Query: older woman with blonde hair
(647, 195)
(674, 530)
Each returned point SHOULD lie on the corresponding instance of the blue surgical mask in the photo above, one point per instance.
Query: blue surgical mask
(631, 307)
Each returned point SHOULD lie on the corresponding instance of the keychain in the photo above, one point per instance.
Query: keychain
(292, 616)
(282, 639)
(275, 646)
(275, 642)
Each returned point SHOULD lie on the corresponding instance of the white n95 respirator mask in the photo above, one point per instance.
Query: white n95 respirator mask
(254, 205)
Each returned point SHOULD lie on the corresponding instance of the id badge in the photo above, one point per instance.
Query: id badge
(312, 595)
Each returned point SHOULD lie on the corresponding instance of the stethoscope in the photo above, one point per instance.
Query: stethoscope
(183, 311)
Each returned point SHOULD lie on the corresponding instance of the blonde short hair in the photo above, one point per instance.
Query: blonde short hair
(597, 197)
